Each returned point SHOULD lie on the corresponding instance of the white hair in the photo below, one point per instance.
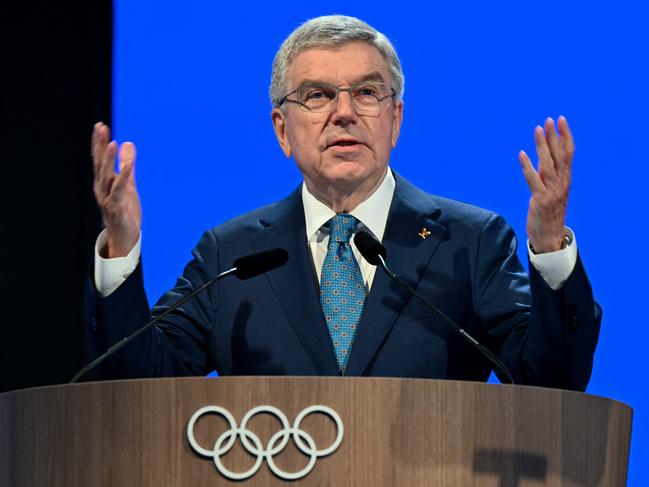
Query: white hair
(330, 31)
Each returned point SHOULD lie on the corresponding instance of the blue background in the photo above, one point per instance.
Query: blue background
(190, 89)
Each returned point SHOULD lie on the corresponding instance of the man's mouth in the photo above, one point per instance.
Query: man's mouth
(346, 142)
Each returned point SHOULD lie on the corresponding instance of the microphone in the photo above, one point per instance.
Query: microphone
(244, 268)
(259, 263)
(374, 252)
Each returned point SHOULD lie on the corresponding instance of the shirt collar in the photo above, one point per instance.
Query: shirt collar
(372, 213)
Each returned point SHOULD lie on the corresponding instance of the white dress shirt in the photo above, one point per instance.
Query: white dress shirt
(554, 267)
(372, 215)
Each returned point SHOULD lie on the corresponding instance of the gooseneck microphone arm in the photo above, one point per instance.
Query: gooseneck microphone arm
(243, 268)
(124, 341)
(374, 252)
(485, 351)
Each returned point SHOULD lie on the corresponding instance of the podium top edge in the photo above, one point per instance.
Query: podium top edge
(288, 379)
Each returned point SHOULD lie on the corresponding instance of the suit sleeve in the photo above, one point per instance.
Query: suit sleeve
(176, 346)
(545, 337)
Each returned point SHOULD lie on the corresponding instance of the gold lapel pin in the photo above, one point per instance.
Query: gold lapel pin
(424, 233)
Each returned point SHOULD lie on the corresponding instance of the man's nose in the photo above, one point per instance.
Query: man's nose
(344, 111)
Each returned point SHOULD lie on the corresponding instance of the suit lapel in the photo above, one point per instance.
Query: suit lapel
(295, 283)
(296, 286)
(408, 255)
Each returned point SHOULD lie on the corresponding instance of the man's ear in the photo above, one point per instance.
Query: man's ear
(396, 122)
(279, 124)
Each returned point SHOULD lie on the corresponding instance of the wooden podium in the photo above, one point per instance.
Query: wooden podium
(379, 432)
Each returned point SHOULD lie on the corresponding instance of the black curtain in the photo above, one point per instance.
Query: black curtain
(55, 80)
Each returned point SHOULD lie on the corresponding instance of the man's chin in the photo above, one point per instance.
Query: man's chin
(350, 172)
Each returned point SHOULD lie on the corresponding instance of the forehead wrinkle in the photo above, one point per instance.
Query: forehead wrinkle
(359, 61)
(373, 76)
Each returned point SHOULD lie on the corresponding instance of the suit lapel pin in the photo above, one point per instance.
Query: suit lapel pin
(424, 233)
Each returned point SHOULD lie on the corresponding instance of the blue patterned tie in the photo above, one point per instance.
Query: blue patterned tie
(342, 289)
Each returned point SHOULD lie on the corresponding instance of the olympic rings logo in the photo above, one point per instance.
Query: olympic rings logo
(251, 442)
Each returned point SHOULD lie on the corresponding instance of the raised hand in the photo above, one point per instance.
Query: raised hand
(550, 185)
(116, 193)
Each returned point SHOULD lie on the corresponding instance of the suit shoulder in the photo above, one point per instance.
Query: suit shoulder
(258, 219)
(459, 212)
(246, 223)
(448, 212)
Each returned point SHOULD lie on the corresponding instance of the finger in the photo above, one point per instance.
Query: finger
(546, 164)
(566, 134)
(126, 154)
(122, 180)
(567, 142)
(531, 176)
(93, 138)
(106, 173)
(553, 141)
(100, 136)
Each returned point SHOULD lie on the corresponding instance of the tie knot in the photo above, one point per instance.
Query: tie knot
(342, 227)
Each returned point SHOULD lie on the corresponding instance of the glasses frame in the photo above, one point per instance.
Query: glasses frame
(334, 101)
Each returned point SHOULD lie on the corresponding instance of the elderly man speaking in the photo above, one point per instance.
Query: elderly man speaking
(336, 90)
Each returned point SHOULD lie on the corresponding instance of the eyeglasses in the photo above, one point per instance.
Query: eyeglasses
(322, 97)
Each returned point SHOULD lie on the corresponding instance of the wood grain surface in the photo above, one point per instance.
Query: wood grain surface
(398, 432)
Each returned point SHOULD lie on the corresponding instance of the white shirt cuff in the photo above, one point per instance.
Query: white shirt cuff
(555, 267)
(111, 273)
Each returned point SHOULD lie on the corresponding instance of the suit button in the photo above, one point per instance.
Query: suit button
(573, 321)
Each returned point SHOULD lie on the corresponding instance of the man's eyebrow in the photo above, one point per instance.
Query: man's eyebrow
(312, 82)
(373, 76)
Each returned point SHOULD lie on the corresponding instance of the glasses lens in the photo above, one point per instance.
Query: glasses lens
(321, 97)
(316, 97)
(366, 97)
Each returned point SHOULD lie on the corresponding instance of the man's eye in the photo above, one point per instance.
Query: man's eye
(315, 95)
(319, 94)
(366, 91)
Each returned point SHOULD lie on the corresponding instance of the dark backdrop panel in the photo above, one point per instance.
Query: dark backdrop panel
(56, 81)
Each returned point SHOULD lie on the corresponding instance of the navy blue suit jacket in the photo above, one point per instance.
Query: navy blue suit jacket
(273, 324)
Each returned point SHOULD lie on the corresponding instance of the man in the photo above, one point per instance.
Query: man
(337, 91)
